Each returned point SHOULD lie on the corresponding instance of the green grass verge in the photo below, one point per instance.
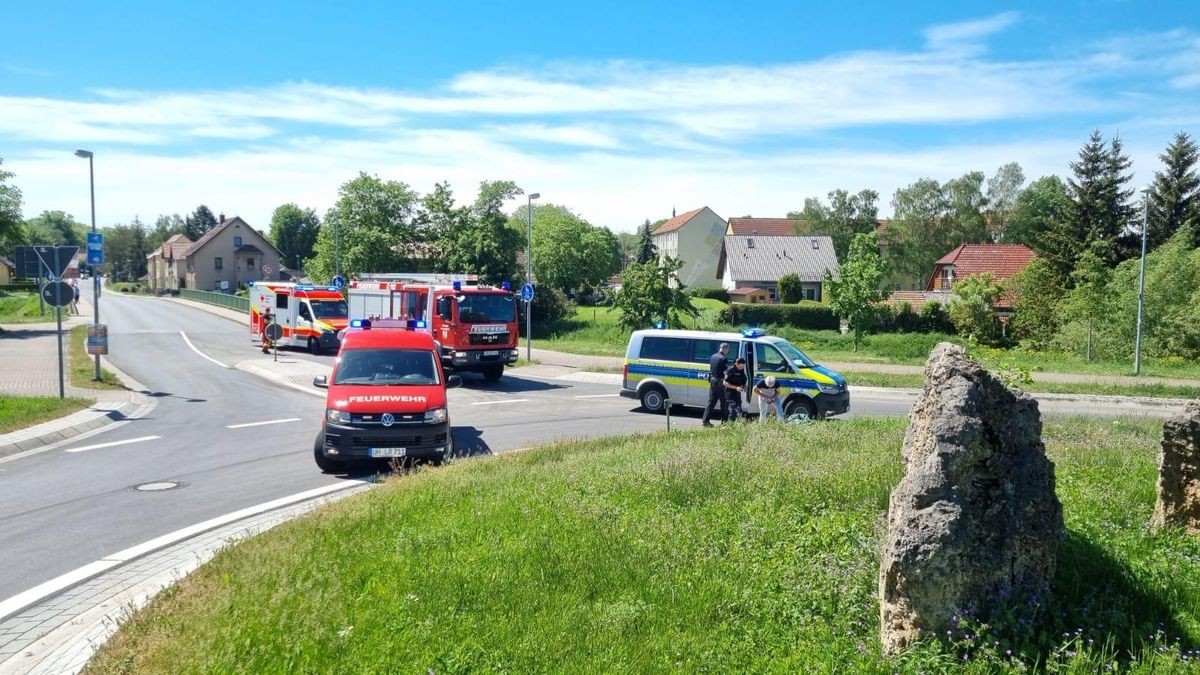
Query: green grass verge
(749, 549)
(867, 378)
(83, 365)
(20, 412)
(21, 307)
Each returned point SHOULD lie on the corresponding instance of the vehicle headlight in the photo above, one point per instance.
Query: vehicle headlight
(337, 416)
(829, 388)
(436, 416)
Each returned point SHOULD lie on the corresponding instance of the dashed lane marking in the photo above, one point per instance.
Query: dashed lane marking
(109, 445)
(202, 354)
(260, 424)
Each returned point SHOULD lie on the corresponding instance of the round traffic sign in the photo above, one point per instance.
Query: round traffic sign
(339, 281)
(268, 270)
(527, 293)
(274, 332)
(58, 293)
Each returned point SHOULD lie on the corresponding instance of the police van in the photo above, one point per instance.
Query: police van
(662, 365)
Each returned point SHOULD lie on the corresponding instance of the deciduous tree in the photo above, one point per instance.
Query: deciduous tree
(854, 294)
(972, 308)
(11, 230)
(294, 232)
(790, 289)
(55, 228)
(1089, 298)
(649, 294)
(369, 229)
(846, 216)
(1003, 190)
(1043, 206)
(1037, 311)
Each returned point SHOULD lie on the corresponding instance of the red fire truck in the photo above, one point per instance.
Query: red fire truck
(474, 325)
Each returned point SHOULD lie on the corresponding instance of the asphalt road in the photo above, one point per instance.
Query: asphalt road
(233, 440)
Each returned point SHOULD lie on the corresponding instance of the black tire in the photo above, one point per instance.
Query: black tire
(325, 464)
(445, 456)
(493, 373)
(314, 347)
(799, 404)
(654, 399)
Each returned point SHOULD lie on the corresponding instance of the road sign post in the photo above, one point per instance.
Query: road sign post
(339, 282)
(97, 339)
(274, 333)
(527, 298)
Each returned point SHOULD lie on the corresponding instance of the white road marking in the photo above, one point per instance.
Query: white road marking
(109, 445)
(599, 396)
(259, 424)
(507, 400)
(193, 347)
(38, 593)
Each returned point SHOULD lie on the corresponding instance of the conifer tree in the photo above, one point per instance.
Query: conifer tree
(1175, 193)
(646, 251)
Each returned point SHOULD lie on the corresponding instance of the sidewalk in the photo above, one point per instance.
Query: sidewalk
(29, 367)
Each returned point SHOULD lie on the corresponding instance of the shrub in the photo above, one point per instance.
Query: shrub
(711, 293)
(810, 315)
(549, 306)
(935, 318)
(790, 290)
(898, 319)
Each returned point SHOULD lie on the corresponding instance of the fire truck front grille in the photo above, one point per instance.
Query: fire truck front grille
(489, 338)
(402, 441)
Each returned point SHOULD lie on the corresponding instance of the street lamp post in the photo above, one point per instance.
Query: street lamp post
(1137, 350)
(529, 275)
(95, 272)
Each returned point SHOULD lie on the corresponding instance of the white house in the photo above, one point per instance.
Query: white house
(759, 262)
(695, 238)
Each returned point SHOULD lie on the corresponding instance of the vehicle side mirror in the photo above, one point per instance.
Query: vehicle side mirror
(321, 382)
(453, 381)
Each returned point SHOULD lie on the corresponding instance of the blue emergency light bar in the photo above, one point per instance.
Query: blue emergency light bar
(364, 324)
(414, 324)
(660, 324)
(505, 285)
(458, 285)
(753, 332)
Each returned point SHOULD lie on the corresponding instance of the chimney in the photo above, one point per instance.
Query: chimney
(222, 219)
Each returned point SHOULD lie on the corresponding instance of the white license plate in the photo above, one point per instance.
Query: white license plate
(389, 452)
(491, 352)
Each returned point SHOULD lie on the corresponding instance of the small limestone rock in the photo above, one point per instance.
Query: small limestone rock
(974, 523)
(1178, 503)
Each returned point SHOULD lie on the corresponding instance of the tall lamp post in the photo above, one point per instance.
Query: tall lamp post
(95, 272)
(529, 275)
(1137, 350)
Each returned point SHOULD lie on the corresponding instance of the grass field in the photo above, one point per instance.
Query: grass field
(21, 307)
(867, 378)
(750, 549)
(83, 365)
(20, 412)
(594, 331)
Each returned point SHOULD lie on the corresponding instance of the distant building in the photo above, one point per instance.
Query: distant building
(764, 227)
(760, 261)
(695, 238)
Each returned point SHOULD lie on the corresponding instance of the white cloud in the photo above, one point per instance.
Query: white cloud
(966, 35)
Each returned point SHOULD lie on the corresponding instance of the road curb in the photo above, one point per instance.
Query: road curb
(80, 424)
(268, 374)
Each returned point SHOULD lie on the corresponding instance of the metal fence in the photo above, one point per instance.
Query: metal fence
(219, 299)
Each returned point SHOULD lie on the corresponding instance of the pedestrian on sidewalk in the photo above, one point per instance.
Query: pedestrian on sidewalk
(74, 297)
(267, 320)
(768, 398)
(735, 387)
(717, 365)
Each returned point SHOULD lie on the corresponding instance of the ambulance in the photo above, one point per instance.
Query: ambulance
(310, 316)
(386, 397)
(474, 324)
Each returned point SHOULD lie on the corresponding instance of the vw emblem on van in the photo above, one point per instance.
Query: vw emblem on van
(387, 420)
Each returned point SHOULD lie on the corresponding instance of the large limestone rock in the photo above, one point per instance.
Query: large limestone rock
(1178, 502)
(974, 523)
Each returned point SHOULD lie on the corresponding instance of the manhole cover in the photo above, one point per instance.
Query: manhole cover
(158, 486)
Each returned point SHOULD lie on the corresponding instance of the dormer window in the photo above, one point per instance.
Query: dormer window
(816, 245)
(749, 242)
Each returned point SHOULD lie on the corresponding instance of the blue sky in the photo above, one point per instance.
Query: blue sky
(621, 111)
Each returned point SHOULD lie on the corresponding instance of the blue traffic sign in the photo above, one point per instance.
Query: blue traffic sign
(527, 293)
(339, 282)
(95, 248)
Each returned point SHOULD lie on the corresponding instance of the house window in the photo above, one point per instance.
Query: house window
(810, 294)
(771, 291)
(220, 264)
(816, 245)
(237, 242)
(249, 263)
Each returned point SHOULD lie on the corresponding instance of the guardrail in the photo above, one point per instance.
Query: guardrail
(218, 299)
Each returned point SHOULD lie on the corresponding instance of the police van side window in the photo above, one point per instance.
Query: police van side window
(665, 348)
(702, 350)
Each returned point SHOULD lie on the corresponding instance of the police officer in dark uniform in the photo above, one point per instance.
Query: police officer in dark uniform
(735, 387)
(717, 365)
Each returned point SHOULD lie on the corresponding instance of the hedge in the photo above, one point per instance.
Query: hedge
(809, 315)
(30, 287)
(711, 293)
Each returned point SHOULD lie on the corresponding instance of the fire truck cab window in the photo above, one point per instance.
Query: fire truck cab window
(280, 301)
(486, 308)
(445, 308)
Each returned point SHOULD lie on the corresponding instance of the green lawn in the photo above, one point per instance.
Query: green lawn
(21, 307)
(83, 365)
(867, 378)
(20, 412)
(748, 549)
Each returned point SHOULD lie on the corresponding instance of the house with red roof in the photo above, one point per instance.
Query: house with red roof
(165, 264)
(696, 238)
(1003, 261)
(764, 227)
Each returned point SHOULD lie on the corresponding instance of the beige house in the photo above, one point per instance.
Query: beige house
(695, 238)
(165, 266)
(8, 270)
(228, 256)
